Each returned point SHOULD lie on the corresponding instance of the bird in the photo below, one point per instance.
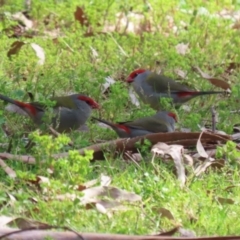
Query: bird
(151, 87)
(68, 113)
(162, 121)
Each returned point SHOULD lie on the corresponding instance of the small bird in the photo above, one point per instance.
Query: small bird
(151, 86)
(69, 112)
(162, 121)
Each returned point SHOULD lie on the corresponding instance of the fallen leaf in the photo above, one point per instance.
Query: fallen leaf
(21, 223)
(87, 184)
(133, 98)
(134, 157)
(225, 200)
(230, 187)
(200, 149)
(67, 196)
(7, 169)
(40, 180)
(176, 152)
(164, 213)
(101, 208)
(180, 73)
(81, 17)
(19, 16)
(215, 81)
(39, 53)
(210, 153)
(105, 180)
(182, 48)
(108, 82)
(95, 54)
(168, 233)
(93, 194)
(202, 167)
(15, 48)
(12, 199)
(186, 233)
(188, 160)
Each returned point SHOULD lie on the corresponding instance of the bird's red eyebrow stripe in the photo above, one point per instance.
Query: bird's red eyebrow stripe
(27, 106)
(124, 128)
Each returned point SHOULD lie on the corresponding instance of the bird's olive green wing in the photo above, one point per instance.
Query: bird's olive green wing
(150, 124)
(162, 83)
(64, 101)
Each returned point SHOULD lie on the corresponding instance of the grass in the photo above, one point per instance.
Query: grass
(71, 67)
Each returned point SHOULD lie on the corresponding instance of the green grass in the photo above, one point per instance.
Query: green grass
(71, 67)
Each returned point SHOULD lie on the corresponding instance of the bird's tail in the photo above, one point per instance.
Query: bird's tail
(7, 99)
(28, 108)
(195, 93)
(105, 122)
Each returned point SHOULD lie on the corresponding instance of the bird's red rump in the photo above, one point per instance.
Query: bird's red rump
(124, 128)
(27, 106)
(186, 93)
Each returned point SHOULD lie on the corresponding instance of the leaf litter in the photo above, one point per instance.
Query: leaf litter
(176, 152)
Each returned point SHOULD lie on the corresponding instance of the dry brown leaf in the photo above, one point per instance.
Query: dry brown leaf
(200, 149)
(210, 153)
(225, 200)
(182, 48)
(188, 160)
(20, 222)
(81, 17)
(231, 67)
(12, 199)
(19, 16)
(7, 169)
(203, 167)
(169, 232)
(39, 53)
(133, 98)
(176, 152)
(186, 233)
(164, 213)
(88, 184)
(108, 82)
(107, 206)
(133, 157)
(230, 187)
(15, 48)
(107, 199)
(40, 180)
(105, 180)
(93, 194)
(217, 164)
(130, 22)
(180, 73)
(101, 208)
(67, 196)
(215, 81)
